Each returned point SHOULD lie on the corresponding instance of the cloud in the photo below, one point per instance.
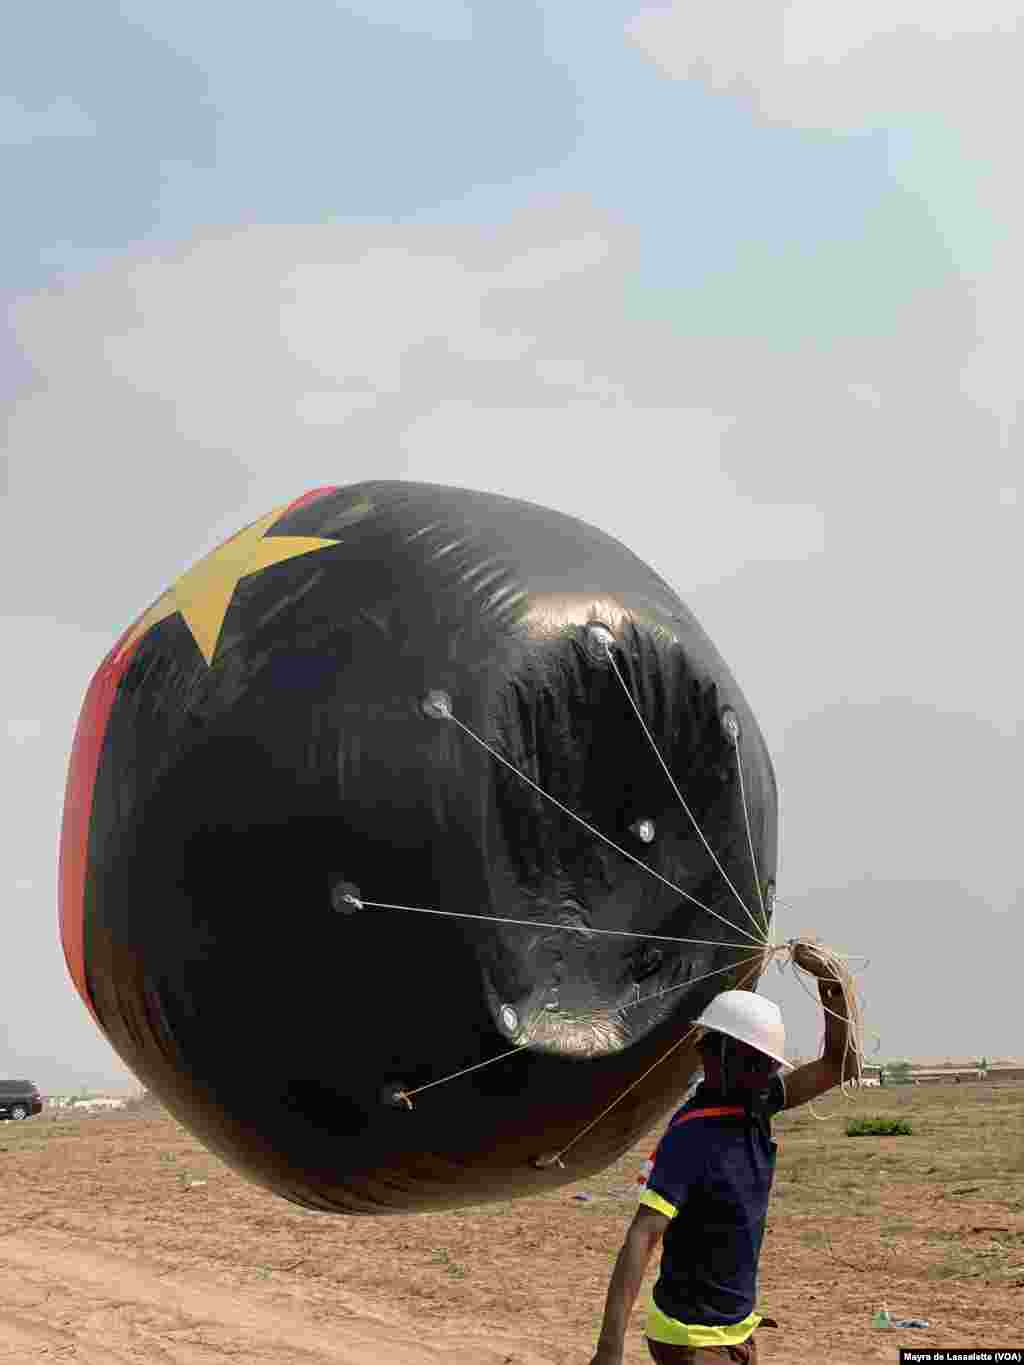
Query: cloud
(22, 125)
(946, 781)
(179, 395)
(198, 387)
(678, 506)
(942, 78)
(182, 394)
(20, 731)
(836, 525)
(812, 65)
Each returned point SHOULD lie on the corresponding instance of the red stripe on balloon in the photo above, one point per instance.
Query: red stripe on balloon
(311, 496)
(74, 833)
(78, 797)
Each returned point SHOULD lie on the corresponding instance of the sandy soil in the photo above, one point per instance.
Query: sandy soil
(124, 1241)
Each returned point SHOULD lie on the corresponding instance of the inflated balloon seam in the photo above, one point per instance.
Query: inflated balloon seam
(438, 705)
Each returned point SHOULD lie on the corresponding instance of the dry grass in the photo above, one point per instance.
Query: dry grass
(962, 1134)
(931, 1223)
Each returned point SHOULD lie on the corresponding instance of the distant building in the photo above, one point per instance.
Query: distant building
(937, 1072)
(946, 1074)
(86, 1102)
(1005, 1073)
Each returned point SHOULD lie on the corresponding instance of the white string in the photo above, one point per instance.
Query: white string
(810, 995)
(762, 958)
(536, 924)
(523, 1047)
(787, 904)
(679, 796)
(766, 943)
(682, 985)
(597, 833)
(408, 1094)
(556, 1157)
(750, 837)
(853, 1047)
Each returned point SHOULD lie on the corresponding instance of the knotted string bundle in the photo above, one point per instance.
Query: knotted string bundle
(757, 942)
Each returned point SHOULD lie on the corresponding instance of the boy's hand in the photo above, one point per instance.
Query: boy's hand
(805, 955)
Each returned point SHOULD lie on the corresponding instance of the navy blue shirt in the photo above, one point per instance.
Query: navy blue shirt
(712, 1176)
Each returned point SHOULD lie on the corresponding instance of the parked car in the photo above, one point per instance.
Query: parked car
(19, 1100)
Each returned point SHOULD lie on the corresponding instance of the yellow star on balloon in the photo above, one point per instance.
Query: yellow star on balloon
(203, 593)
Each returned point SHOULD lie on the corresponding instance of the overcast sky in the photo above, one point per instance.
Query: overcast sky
(740, 284)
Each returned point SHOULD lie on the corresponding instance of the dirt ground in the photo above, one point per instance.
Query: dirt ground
(123, 1240)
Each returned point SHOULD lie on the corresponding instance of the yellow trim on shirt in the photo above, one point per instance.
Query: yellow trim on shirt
(654, 1201)
(660, 1327)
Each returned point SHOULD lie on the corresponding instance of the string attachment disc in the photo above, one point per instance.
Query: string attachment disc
(509, 1018)
(731, 724)
(599, 640)
(644, 830)
(437, 705)
(549, 1159)
(395, 1096)
(346, 899)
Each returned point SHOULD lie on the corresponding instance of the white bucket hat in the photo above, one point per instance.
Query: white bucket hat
(750, 1018)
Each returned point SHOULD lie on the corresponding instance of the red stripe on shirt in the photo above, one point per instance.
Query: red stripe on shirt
(719, 1112)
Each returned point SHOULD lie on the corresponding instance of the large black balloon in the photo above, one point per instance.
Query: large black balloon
(257, 745)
